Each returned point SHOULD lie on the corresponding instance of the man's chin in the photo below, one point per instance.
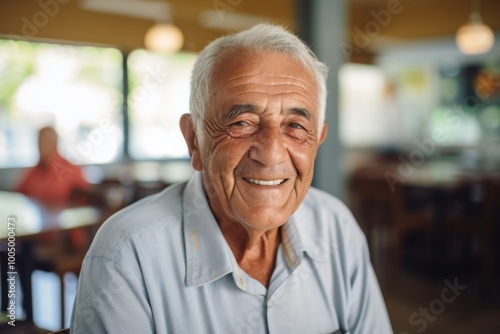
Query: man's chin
(264, 221)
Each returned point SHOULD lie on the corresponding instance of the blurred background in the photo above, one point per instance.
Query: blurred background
(413, 145)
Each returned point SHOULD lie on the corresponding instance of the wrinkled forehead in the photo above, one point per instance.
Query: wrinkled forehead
(272, 68)
(242, 60)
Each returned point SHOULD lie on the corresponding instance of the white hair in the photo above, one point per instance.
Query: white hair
(262, 37)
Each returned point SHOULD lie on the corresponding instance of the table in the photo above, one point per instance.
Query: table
(23, 222)
(431, 192)
(461, 201)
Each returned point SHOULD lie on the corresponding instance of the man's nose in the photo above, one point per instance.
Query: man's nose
(269, 147)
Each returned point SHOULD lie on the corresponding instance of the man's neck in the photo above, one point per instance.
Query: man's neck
(254, 250)
(48, 160)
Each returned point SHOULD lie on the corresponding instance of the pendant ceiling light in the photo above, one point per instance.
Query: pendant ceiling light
(475, 37)
(164, 37)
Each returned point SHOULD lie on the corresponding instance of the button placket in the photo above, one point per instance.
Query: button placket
(269, 303)
(241, 282)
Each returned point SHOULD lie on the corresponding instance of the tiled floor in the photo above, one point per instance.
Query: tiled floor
(422, 305)
(419, 299)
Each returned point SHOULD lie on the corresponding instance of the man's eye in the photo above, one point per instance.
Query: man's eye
(295, 126)
(242, 129)
(240, 123)
(297, 131)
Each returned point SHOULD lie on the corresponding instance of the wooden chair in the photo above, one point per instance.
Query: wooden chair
(491, 225)
(393, 210)
(412, 213)
(472, 220)
(60, 259)
(22, 327)
(62, 331)
(464, 218)
(66, 256)
(370, 201)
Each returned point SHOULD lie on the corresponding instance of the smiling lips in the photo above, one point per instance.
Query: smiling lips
(265, 183)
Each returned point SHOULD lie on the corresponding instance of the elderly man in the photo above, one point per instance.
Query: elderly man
(246, 246)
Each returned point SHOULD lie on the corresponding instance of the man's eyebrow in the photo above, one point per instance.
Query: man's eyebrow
(301, 112)
(239, 109)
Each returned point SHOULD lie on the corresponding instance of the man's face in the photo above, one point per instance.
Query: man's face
(47, 144)
(261, 138)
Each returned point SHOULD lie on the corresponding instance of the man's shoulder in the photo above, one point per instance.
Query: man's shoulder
(330, 217)
(142, 219)
(321, 201)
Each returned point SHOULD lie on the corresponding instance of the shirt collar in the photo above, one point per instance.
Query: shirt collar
(206, 248)
(208, 255)
(306, 235)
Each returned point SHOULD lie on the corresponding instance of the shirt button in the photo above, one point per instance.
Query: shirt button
(270, 303)
(243, 284)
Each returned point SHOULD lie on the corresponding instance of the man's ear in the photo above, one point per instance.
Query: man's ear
(324, 132)
(189, 133)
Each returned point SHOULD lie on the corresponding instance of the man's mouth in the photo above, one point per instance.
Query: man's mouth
(265, 182)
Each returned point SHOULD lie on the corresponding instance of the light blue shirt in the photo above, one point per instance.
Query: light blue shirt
(162, 266)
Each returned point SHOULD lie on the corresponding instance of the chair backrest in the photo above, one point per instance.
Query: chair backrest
(62, 331)
(492, 207)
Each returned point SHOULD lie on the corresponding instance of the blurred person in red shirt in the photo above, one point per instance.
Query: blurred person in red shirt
(55, 182)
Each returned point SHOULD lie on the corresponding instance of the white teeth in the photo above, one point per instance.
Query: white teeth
(266, 183)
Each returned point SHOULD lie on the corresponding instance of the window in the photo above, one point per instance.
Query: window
(76, 89)
(159, 95)
(362, 119)
(455, 106)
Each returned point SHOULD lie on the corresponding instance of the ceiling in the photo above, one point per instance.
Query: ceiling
(204, 20)
(424, 18)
